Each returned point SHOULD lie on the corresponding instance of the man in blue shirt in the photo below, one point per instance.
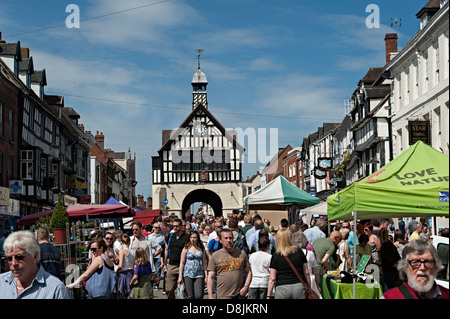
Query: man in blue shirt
(158, 238)
(252, 240)
(27, 279)
(317, 231)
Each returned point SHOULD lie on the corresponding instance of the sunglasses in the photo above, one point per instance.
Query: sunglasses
(16, 257)
(94, 249)
(108, 238)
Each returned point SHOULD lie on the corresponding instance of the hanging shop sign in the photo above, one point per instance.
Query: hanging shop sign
(325, 163)
(4, 196)
(419, 131)
(319, 173)
(16, 187)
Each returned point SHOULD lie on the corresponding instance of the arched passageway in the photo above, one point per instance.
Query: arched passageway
(204, 196)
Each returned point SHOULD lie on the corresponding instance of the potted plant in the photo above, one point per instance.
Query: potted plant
(43, 222)
(58, 222)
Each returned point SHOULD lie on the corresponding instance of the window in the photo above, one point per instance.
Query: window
(1, 119)
(407, 96)
(26, 167)
(399, 142)
(427, 69)
(11, 125)
(1, 168)
(48, 129)
(37, 122)
(436, 60)
(43, 168)
(10, 164)
(416, 86)
(438, 127)
(399, 93)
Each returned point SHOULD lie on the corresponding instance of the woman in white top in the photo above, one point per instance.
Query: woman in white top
(125, 269)
(343, 251)
(260, 264)
(299, 239)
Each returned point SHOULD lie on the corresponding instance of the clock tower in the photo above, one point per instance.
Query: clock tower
(200, 161)
(199, 84)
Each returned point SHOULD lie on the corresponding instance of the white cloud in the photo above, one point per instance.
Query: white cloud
(140, 27)
(303, 96)
(263, 64)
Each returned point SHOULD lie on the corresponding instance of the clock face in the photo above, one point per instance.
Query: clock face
(201, 129)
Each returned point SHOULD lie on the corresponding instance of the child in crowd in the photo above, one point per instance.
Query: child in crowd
(141, 285)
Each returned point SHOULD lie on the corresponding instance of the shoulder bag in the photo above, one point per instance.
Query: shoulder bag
(310, 294)
(101, 285)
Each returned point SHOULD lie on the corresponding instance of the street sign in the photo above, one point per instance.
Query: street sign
(165, 201)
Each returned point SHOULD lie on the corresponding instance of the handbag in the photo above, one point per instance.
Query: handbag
(101, 285)
(310, 294)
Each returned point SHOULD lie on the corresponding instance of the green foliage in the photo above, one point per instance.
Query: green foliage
(340, 169)
(59, 216)
(43, 222)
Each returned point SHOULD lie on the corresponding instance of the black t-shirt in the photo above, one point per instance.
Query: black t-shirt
(285, 274)
(176, 245)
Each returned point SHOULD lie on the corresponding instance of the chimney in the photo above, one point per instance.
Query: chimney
(1, 41)
(149, 202)
(100, 138)
(390, 41)
(81, 127)
(140, 200)
(25, 53)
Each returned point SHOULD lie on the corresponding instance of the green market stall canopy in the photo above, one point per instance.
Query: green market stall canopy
(416, 183)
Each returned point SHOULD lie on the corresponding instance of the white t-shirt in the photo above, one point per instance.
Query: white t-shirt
(260, 264)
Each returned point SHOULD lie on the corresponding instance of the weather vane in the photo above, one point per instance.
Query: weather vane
(397, 22)
(198, 56)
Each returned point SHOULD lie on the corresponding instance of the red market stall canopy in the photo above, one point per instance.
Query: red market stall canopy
(79, 212)
(146, 216)
(33, 218)
(99, 211)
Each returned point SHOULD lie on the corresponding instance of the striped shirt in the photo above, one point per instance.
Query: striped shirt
(43, 286)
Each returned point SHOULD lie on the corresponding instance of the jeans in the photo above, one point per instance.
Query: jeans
(320, 278)
(157, 263)
(194, 287)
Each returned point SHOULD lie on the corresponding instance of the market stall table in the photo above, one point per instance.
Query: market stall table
(332, 288)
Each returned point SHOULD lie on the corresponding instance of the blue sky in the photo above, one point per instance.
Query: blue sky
(282, 64)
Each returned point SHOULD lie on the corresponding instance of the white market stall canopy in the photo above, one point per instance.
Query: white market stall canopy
(279, 192)
(319, 209)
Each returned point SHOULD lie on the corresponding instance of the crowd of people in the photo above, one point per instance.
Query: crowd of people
(241, 256)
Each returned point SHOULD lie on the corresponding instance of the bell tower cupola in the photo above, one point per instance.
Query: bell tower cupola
(199, 84)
